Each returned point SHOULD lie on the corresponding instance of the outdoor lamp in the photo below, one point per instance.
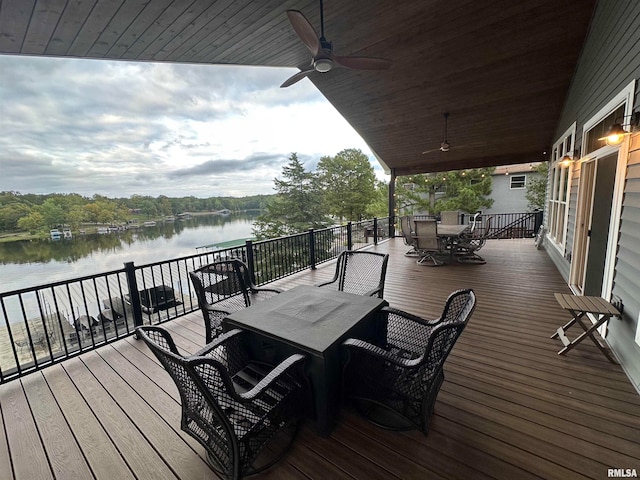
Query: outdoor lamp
(566, 161)
(615, 133)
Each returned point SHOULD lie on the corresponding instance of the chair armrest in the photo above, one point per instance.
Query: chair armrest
(368, 349)
(287, 365)
(253, 288)
(218, 342)
(324, 284)
(373, 293)
(386, 311)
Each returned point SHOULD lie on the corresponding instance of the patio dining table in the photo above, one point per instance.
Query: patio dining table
(450, 234)
(314, 321)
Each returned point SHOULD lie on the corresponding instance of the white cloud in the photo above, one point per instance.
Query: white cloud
(120, 128)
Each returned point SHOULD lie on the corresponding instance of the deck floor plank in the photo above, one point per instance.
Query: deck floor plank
(22, 435)
(101, 454)
(510, 406)
(65, 456)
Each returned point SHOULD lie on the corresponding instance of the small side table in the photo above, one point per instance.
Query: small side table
(579, 306)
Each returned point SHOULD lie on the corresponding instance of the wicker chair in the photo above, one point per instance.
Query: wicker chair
(223, 287)
(395, 384)
(466, 249)
(233, 406)
(360, 273)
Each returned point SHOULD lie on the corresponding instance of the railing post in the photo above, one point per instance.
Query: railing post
(538, 221)
(251, 262)
(132, 283)
(375, 230)
(312, 249)
(349, 239)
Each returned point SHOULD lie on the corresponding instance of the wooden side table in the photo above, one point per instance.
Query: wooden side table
(579, 306)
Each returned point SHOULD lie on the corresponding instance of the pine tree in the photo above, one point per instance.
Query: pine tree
(296, 207)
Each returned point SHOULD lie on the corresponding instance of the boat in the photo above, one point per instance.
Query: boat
(55, 234)
(169, 218)
(149, 224)
(102, 230)
(66, 233)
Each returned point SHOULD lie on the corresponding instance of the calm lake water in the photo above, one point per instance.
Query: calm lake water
(30, 263)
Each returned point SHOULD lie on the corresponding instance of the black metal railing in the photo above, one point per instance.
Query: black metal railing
(503, 225)
(45, 324)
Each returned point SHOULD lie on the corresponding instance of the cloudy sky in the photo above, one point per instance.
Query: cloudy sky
(120, 128)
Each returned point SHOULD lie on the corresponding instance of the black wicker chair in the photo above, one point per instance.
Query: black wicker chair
(395, 384)
(232, 405)
(223, 287)
(361, 273)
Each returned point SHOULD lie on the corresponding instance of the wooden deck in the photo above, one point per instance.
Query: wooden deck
(510, 407)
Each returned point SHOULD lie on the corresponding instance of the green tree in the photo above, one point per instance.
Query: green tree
(348, 184)
(32, 223)
(464, 190)
(52, 213)
(379, 206)
(296, 207)
(537, 187)
(11, 213)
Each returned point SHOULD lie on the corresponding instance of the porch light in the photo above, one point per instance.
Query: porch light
(566, 161)
(616, 132)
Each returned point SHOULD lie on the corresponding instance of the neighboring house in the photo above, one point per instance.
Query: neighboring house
(509, 188)
(593, 208)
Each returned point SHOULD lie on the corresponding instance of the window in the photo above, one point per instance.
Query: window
(518, 181)
(559, 187)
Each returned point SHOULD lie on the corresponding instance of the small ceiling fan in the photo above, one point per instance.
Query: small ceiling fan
(323, 59)
(444, 145)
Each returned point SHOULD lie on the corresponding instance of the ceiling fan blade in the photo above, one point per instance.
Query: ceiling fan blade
(297, 77)
(363, 63)
(305, 31)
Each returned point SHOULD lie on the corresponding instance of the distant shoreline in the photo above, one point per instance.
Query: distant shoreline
(7, 237)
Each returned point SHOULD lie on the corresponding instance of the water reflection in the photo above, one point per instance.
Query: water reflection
(36, 262)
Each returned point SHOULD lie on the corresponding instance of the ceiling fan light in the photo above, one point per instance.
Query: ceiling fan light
(323, 65)
(444, 146)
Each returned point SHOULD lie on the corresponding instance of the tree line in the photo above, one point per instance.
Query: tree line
(36, 213)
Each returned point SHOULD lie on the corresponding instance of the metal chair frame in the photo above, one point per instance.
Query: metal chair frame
(395, 383)
(231, 405)
(224, 287)
(359, 272)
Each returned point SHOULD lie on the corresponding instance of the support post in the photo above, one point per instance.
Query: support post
(392, 204)
(312, 249)
(251, 265)
(349, 236)
(132, 283)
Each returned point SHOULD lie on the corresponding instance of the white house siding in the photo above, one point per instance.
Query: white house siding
(609, 61)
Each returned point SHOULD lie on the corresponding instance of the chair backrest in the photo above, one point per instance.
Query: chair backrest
(425, 235)
(405, 226)
(450, 217)
(361, 272)
(221, 280)
(487, 226)
(474, 222)
(455, 316)
(200, 381)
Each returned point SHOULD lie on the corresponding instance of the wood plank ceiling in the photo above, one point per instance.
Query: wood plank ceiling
(501, 68)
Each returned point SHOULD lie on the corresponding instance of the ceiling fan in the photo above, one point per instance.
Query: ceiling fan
(323, 59)
(445, 146)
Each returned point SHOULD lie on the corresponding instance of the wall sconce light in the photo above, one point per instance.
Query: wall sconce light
(616, 132)
(566, 161)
